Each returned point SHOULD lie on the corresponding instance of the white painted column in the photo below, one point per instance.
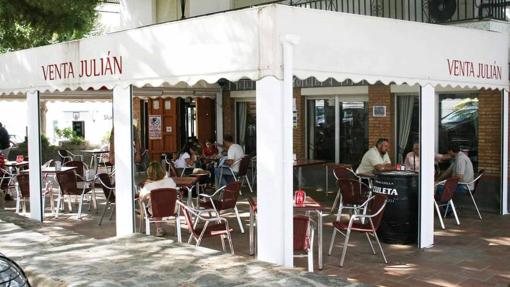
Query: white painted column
(428, 114)
(219, 117)
(275, 164)
(34, 155)
(274, 196)
(124, 169)
(504, 154)
(337, 130)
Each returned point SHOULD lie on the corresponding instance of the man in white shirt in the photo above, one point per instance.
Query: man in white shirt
(462, 167)
(376, 158)
(234, 154)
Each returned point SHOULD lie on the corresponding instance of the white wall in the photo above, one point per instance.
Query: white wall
(96, 115)
(201, 7)
(136, 13)
(13, 116)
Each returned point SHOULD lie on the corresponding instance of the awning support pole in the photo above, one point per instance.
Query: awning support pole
(275, 164)
(428, 115)
(504, 154)
(34, 155)
(219, 116)
(124, 164)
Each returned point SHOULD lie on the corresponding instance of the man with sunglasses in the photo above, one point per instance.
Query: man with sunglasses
(376, 158)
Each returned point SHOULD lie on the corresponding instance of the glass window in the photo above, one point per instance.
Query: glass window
(459, 124)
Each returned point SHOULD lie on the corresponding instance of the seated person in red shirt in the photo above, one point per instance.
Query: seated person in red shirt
(210, 151)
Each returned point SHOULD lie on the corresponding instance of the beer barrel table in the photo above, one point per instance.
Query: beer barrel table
(399, 224)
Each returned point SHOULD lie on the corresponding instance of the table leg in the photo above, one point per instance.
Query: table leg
(300, 176)
(190, 193)
(96, 161)
(319, 214)
(252, 251)
(327, 179)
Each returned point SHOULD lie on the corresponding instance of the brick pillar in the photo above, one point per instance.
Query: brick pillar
(489, 131)
(381, 127)
(299, 131)
(228, 114)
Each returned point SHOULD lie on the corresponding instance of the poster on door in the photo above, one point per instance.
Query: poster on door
(154, 127)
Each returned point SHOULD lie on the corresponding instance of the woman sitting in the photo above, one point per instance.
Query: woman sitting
(186, 160)
(156, 178)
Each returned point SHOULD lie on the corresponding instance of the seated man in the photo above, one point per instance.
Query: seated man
(412, 161)
(462, 167)
(234, 153)
(376, 158)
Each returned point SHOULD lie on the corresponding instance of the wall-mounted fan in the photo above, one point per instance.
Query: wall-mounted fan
(441, 10)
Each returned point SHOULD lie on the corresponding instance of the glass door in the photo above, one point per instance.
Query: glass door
(353, 131)
(321, 129)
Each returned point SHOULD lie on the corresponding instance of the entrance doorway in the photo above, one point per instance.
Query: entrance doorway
(337, 129)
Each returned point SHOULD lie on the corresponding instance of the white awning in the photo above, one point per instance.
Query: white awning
(246, 44)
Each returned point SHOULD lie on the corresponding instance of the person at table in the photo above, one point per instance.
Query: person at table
(412, 161)
(5, 142)
(210, 151)
(461, 167)
(234, 154)
(156, 178)
(186, 159)
(376, 158)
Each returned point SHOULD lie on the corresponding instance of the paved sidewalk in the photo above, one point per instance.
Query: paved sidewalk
(53, 256)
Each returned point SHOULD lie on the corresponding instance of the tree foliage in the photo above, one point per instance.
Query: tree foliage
(31, 23)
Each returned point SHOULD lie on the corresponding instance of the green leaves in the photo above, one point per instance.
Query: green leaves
(31, 23)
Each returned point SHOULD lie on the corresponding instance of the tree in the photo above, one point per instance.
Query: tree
(31, 23)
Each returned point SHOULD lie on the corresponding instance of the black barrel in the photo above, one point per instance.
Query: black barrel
(399, 224)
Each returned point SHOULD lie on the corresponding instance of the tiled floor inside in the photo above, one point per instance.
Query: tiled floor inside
(473, 254)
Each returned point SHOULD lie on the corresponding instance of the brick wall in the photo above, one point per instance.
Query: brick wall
(299, 131)
(228, 114)
(489, 131)
(381, 127)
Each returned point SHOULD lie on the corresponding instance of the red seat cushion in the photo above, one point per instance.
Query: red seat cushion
(356, 226)
(214, 230)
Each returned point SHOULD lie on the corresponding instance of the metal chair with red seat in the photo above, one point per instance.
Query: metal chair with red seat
(69, 186)
(353, 195)
(251, 231)
(341, 172)
(163, 205)
(109, 193)
(472, 191)
(22, 185)
(212, 227)
(226, 199)
(242, 174)
(303, 238)
(82, 171)
(446, 198)
(362, 223)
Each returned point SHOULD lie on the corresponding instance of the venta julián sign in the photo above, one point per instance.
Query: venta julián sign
(103, 66)
(460, 68)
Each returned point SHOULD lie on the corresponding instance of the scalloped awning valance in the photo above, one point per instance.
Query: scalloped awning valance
(247, 44)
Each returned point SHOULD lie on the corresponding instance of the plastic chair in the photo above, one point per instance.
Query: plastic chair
(303, 238)
(212, 227)
(227, 199)
(367, 224)
(109, 193)
(445, 199)
(474, 182)
(163, 206)
(69, 186)
(6, 180)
